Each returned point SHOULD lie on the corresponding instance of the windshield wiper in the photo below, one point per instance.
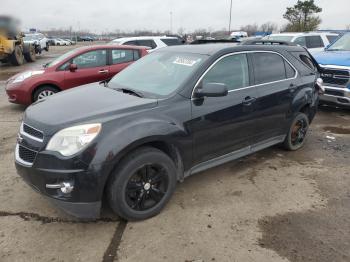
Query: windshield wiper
(130, 91)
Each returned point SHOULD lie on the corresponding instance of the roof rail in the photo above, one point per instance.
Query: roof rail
(266, 42)
(212, 41)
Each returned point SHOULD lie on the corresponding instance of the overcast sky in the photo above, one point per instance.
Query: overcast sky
(108, 15)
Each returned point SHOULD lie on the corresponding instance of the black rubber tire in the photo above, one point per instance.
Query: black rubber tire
(41, 89)
(125, 170)
(16, 58)
(47, 47)
(31, 55)
(287, 144)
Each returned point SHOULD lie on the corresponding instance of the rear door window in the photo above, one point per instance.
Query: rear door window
(171, 41)
(300, 41)
(130, 43)
(268, 67)
(150, 43)
(120, 56)
(314, 41)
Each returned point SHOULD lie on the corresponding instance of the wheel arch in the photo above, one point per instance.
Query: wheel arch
(166, 147)
(41, 85)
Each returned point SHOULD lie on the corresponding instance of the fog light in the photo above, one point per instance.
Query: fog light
(65, 187)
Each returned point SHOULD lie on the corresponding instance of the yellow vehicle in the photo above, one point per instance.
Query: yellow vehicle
(12, 47)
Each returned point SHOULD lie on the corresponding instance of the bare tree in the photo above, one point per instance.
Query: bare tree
(268, 27)
(250, 29)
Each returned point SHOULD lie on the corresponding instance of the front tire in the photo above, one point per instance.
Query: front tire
(297, 133)
(16, 58)
(31, 55)
(142, 185)
(44, 92)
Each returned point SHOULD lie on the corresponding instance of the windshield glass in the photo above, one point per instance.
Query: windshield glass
(159, 73)
(61, 58)
(342, 44)
(287, 38)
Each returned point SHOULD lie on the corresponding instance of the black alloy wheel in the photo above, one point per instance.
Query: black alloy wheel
(147, 187)
(142, 184)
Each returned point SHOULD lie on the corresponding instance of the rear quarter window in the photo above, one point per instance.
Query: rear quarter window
(305, 60)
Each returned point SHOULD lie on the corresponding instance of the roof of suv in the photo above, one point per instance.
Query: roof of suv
(305, 34)
(211, 49)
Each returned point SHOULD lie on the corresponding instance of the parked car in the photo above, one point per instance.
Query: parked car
(70, 41)
(335, 64)
(85, 39)
(59, 41)
(153, 42)
(173, 113)
(313, 41)
(38, 40)
(77, 67)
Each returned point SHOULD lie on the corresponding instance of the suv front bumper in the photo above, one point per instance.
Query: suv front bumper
(336, 96)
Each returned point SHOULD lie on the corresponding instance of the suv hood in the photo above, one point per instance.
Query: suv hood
(83, 104)
(339, 58)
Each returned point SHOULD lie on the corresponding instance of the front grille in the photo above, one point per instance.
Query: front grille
(26, 154)
(336, 77)
(334, 92)
(33, 132)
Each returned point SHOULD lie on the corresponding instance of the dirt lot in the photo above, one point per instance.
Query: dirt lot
(270, 206)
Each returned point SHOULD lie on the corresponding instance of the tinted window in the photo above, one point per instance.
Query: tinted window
(91, 59)
(130, 43)
(314, 41)
(149, 43)
(268, 67)
(232, 71)
(122, 56)
(290, 72)
(332, 38)
(300, 41)
(171, 41)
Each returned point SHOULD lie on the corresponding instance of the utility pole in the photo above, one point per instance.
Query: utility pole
(229, 25)
(171, 22)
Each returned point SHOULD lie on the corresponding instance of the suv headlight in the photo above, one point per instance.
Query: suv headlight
(71, 140)
(26, 75)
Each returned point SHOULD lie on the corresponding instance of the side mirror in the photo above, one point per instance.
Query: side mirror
(211, 90)
(73, 67)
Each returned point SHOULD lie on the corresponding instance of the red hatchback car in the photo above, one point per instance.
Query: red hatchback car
(77, 67)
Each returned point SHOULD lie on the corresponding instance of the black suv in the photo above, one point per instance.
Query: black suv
(176, 112)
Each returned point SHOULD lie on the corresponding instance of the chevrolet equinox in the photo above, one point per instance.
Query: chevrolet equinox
(171, 114)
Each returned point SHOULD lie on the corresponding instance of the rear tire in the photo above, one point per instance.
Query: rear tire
(142, 184)
(16, 58)
(297, 133)
(31, 55)
(44, 92)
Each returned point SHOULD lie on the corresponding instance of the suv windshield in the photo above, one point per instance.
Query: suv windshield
(158, 74)
(342, 44)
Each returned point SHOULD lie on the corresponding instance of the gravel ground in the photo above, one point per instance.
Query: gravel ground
(270, 206)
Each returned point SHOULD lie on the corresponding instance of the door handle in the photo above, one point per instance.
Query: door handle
(103, 71)
(248, 100)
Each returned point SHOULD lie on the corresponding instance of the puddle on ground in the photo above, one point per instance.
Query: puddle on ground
(337, 130)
